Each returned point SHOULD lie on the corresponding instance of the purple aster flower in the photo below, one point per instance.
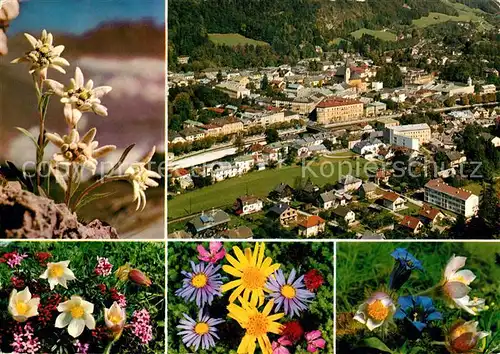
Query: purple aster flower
(201, 284)
(201, 332)
(291, 293)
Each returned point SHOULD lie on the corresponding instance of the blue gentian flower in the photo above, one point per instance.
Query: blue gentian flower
(419, 310)
(404, 265)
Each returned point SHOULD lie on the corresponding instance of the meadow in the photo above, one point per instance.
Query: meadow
(383, 35)
(260, 183)
(233, 39)
(364, 268)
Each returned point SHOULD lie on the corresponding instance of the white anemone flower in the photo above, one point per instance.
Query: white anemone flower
(58, 273)
(376, 311)
(142, 178)
(76, 313)
(456, 285)
(79, 97)
(78, 152)
(115, 317)
(43, 55)
(22, 306)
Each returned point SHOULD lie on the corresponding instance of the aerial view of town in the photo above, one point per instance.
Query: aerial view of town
(344, 119)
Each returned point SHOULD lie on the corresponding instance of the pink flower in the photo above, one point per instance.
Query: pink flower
(13, 259)
(314, 341)
(25, 341)
(215, 254)
(279, 346)
(103, 267)
(82, 348)
(141, 326)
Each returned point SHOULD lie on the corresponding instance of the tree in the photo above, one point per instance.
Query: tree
(264, 84)
(328, 144)
(272, 135)
(239, 144)
(183, 106)
(449, 102)
(489, 210)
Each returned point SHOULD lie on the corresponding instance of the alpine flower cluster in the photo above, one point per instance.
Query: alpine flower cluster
(261, 296)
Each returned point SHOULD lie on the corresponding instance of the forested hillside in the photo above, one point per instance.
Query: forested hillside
(292, 27)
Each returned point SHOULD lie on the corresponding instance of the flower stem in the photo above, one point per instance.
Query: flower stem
(429, 291)
(41, 136)
(67, 199)
(108, 348)
(95, 185)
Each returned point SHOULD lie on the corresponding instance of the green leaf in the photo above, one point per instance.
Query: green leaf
(375, 343)
(91, 198)
(20, 176)
(29, 135)
(43, 104)
(121, 160)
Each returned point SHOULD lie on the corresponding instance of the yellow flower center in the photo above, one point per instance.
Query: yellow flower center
(253, 278)
(378, 311)
(460, 279)
(201, 328)
(56, 271)
(459, 331)
(288, 291)
(199, 280)
(257, 325)
(22, 308)
(115, 319)
(77, 311)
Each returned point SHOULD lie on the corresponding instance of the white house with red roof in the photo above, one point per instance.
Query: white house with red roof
(456, 200)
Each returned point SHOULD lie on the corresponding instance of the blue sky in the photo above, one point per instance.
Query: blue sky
(78, 16)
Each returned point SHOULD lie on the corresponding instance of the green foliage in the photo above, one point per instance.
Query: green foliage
(301, 256)
(390, 75)
(148, 257)
(364, 268)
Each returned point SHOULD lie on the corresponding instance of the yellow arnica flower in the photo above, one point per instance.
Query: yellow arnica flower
(257, 325)
(252, 270)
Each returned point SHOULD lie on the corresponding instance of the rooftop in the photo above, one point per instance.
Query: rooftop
(410, 222)
(410, 127)
(440, 186)
(311, 221)
(337, 102)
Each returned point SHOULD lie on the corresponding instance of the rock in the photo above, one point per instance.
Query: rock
(26, 215)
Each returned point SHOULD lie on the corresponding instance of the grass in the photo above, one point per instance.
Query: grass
(233, 39)
(466, 14)
(363, 268)
(383, 35)
(259, 184)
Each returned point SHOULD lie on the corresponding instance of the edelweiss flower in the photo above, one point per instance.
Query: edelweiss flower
(375, 311)
(22, 306)
(456, 285)
(142, 178)
(80, 97)
(114, 317)
(76, 314)
(43, 55)
(82, 152)
(58, 273)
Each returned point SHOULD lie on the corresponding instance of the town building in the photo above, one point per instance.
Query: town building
(422, 132)
(233, 89)
(411, 223)
(450, 198)
(284, 213)
(335, 110)
(311, 226)
(208, 224)
(247, 204)
(393, 201)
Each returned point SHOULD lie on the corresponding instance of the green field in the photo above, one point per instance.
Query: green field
(258, 183)
(466, 14)
(383, 35)
(233, 39)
